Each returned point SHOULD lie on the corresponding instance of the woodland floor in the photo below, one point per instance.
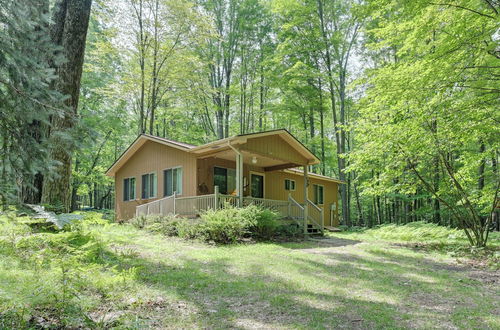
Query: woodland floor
(342, 281)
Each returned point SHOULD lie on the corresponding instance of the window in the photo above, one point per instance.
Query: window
(289, 184)
(128, 189)
(225, 178)
(256, 185)
(318, 194)
(172, 181)
(149, 185)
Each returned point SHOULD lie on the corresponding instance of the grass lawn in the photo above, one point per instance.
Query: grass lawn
(118, 276)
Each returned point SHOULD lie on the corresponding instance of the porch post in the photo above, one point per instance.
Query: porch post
(306, 197)
(175, 196)
(239, 178)
(216, 197)
(289, 205)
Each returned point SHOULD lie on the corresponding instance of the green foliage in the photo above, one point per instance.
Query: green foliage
(167, 225)
(107, 275)
(264, 222)
(26, 99)
(417, 232)
(429, 121)
(56, 208)
(54, 271)
(224, 226)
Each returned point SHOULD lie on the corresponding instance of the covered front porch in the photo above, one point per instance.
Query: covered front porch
(238, 172)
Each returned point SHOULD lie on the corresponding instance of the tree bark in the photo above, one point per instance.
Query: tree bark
(69, 30)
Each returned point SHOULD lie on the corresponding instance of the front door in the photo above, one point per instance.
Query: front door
(256, 185)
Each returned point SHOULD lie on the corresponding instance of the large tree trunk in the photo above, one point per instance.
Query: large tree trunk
(69, 30)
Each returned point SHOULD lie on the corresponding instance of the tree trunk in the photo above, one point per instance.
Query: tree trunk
(71, 20)
(337, 127)
(322, 127)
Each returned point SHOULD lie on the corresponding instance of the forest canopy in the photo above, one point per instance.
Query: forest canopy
(398, 99)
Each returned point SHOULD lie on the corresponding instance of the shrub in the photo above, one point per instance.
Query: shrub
(223, 226)
(290, 230)
(166, 225)
(163, 224)
(226, 225)
(231, 224)
(263, 222)
(191, 229)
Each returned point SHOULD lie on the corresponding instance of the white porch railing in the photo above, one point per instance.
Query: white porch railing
(277, 205)
(295, 210)
(315, 215)
(160, 206)
(194, 205)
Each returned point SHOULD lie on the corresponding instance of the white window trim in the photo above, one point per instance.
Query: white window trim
(135, 191)
(173, 168)
(294, 184)
(156, 195)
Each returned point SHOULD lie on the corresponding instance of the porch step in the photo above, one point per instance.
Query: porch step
(313, 230)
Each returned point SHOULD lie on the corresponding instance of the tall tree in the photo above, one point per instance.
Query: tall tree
(232, 23)
(339, 32)
(69, 31)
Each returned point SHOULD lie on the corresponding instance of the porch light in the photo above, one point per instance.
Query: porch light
(254, 160)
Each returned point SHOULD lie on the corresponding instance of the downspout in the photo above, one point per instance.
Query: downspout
(239, 173)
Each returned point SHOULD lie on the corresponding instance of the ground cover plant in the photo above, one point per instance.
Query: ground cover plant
(430, 236)
(98, 274)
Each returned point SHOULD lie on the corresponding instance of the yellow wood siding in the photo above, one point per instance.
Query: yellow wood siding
(274, 185)
(274, 146)
(153, 157)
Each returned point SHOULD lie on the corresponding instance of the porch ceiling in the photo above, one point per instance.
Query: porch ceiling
(266, 162)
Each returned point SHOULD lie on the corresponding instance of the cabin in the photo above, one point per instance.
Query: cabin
(271, 169)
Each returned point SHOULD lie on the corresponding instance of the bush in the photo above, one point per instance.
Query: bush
(290, 230)
(166, 225)
(226, 225)
(230, 224)
(162, 224)
(191, 229)
(223, 226)
(264, 223)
